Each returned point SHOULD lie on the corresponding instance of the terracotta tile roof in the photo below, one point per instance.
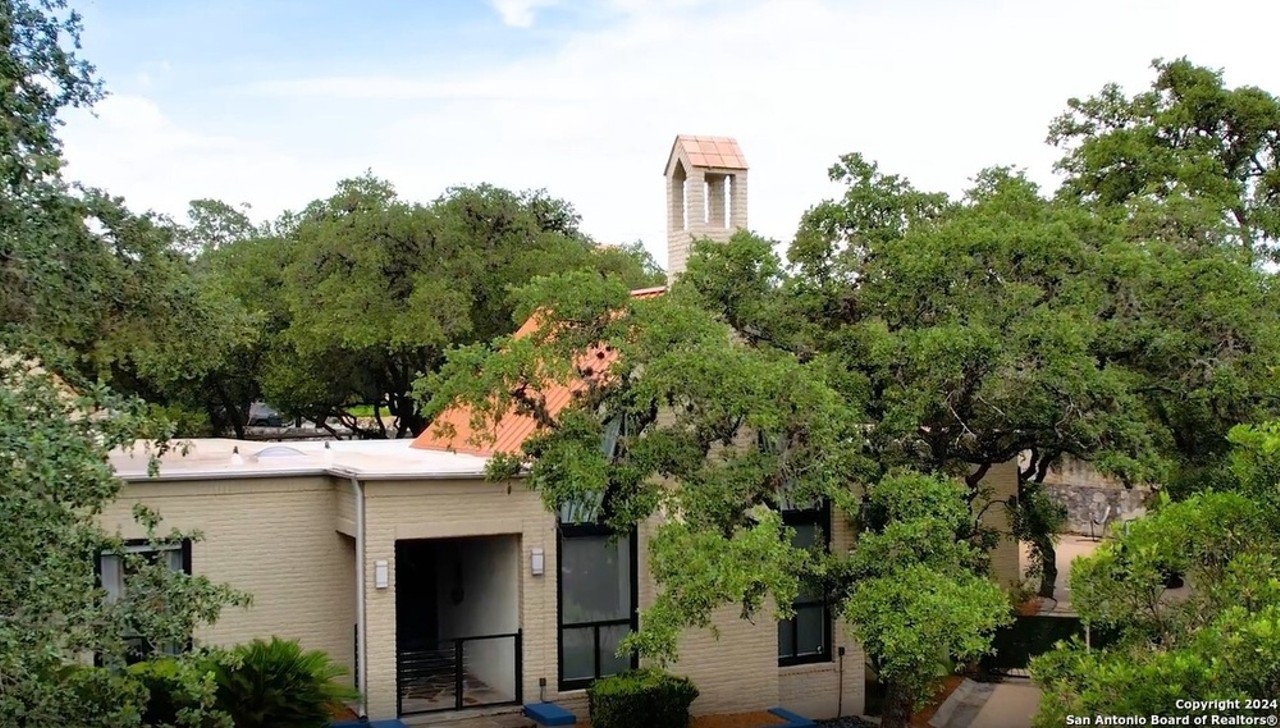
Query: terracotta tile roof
(711, 151)
(513, 429)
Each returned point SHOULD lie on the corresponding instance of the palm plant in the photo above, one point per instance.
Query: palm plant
(278, 685)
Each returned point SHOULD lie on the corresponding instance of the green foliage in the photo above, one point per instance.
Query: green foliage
(53, 449)
(277, 684)
(976, 330)
(916, 622)
(1234, 657)
(716, 431)
(1253, 469)
(214, 224)
(1211, 538)
(912, 518)
(181, 692)
(40, 74)
(87, 696)
(1189, 148)
(641, 699)
(918, 601)
(362, 293)
(1220, 640)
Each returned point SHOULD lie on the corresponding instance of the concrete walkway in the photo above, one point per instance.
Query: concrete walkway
(1008, 704)
(1012, 704)
(1069, 547)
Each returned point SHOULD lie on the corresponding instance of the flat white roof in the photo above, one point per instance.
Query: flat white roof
(222, 458)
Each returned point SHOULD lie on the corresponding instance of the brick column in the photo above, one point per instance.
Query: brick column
(738, 201)
(716, 202)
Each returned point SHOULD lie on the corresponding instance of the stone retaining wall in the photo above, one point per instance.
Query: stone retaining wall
(1087, 502)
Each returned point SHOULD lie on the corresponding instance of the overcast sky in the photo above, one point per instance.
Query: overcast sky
(271, 102)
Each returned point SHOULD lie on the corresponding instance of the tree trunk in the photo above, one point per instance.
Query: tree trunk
(898, 706)
(233, 412)
(1049, 566)
(1042, 533)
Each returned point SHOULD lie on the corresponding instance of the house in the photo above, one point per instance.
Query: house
(443, 591)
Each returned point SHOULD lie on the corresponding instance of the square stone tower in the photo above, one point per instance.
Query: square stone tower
(706, 194)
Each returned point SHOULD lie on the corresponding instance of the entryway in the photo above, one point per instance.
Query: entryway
(457, 623)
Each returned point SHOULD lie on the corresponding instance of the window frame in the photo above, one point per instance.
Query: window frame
(820, 518)
(571, 531)
(141, 546)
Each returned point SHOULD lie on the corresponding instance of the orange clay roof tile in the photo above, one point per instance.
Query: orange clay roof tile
(710, 152)
(513, 429)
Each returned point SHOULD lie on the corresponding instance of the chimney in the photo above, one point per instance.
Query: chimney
(706, 195)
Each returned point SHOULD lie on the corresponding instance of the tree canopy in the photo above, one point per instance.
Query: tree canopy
(684, 426)
(910, 342)
(1189, 147)
(1217, 641)
(675, 399)
(919, 601)
(361, 293)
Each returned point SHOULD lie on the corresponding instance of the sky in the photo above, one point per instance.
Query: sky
(272, 102)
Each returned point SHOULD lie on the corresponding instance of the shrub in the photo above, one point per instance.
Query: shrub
(641, 699)
(277, 685)
(99, 697)
(180, 692)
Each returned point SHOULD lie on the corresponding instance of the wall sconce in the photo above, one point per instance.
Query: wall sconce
(380, 575)
(536, 561)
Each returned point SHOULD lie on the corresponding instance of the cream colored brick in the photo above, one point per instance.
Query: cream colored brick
(1001, 487)
(273, 538)
(706, 217)
(445, 509)
(283, 540)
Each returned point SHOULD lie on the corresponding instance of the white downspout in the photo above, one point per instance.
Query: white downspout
(362, 649)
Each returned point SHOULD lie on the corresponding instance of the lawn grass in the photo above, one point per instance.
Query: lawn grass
(360, 410)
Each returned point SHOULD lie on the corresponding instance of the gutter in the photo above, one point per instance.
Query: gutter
(362, 648)
(336, 472)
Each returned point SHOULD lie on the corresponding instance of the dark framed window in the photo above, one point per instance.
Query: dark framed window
(807, 636)
(114, 569)
(596, 601)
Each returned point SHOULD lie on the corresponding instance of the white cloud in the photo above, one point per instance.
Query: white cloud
(931, 89)
(519, 13)
(132, 148)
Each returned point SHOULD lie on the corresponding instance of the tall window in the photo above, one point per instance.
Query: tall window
(114, 570)
(597, 588)
(597, 603)
(806, 637)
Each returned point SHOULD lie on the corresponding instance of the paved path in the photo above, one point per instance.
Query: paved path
(1068, 548)
(1012, 704)
(1008, 704)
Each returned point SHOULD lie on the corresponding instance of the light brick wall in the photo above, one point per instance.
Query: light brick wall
(814, 690)
(739, 671)
(695, 212)
(1001, 484)
(448, 509)
(738, 200)
(280, 540)
(273, 538)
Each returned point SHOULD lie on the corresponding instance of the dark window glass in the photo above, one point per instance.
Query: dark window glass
(597, 603)
(806, 637)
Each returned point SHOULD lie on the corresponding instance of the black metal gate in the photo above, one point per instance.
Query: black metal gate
(1033, 635)
(464, 672)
